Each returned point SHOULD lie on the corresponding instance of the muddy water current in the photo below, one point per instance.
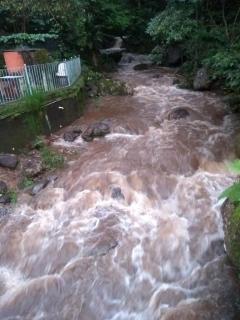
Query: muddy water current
(131, 230)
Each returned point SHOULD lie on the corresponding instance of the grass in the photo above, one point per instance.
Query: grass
(51, 159)
(26, 183)
(12, 194)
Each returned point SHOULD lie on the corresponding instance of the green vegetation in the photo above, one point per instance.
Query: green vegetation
(232, 236)
(51, 159)
(26, 183)
(12, 194)
(208, 33)
(38, 100)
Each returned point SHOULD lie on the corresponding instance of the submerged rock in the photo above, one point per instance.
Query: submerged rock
(117, 194)
(4, 211)
(179, 113)
(99, 129)
(9, 161)
(201, 80)
(3, 187)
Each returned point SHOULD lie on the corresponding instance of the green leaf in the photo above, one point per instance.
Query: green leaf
(232, 193)
(234, 166)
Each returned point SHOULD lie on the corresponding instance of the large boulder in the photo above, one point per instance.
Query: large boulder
(201, 80)
(98, 129)
(9, 161)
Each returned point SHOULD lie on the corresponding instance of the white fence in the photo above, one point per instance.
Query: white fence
(16, 84)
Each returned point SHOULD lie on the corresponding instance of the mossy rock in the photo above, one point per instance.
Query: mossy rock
(233, 101)
(231, 222)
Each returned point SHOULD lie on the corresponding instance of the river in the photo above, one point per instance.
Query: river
(131, 230)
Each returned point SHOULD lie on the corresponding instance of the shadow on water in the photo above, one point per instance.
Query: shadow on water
(18, 132)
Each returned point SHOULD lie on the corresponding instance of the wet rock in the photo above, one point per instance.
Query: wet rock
(179, 113)
(233, 101)
(142, 66)
(3, 188)
(32, 166)
(39, 187)
(9, 161)
(92, 89)
(127, 58)
(70, 136)
(117, 194)
(174, 56)
(4, 211)
(201, 80)
(176, 81)
(5, 199)
(99, 129)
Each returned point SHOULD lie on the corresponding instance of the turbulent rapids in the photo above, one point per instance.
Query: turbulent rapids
(131, 230)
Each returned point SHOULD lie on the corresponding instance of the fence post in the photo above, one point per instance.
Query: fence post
(27, 79)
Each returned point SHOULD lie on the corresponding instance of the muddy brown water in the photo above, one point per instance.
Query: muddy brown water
(153, 250)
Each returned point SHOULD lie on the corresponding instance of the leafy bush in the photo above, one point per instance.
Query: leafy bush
(233, 193)
(25, 38)
(172, 25)
(225, 65)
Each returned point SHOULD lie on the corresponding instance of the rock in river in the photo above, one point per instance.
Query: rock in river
(201, 80)
(117, 194)
(32, 166)
(178, 113)
(39, 186)
(3, 187)
(72, 135)
(9, 161)
(98, 129)
(5, 199)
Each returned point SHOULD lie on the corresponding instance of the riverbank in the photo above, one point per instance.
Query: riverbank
(139, 206)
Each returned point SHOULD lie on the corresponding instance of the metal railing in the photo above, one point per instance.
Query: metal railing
(19, 83)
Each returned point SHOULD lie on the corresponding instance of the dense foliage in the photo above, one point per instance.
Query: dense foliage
(208, 31)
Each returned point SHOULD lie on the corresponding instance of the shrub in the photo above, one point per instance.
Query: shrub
(225, 65)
